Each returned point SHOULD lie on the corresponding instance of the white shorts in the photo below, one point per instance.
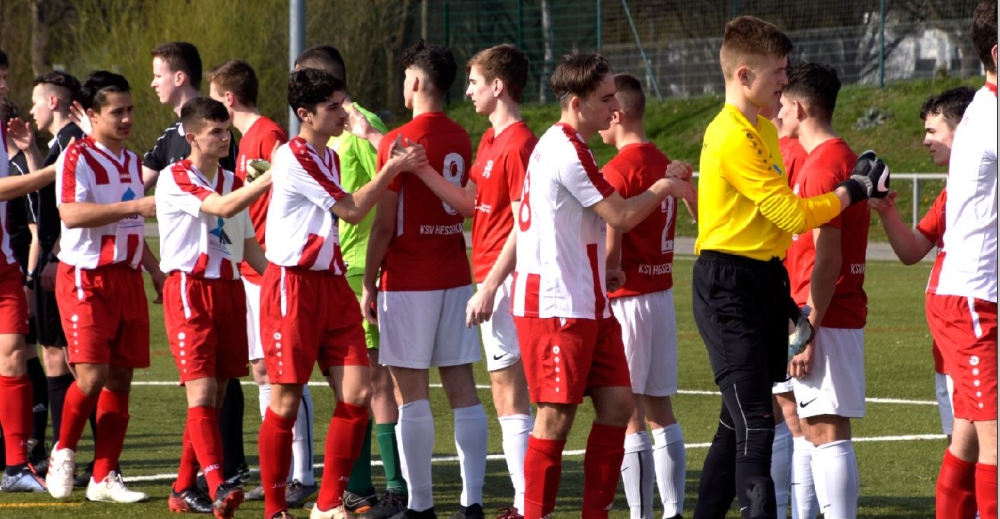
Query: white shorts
(782, 387)
(421, 329)
(943, 389)
(499, 333)
(649, 331)
(255, 347)
(836, 383)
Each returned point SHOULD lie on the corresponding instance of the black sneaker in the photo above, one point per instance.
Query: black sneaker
(360, 503)
(392, 503)
(413, 514)
(228, 498)
(474, 511)
(191, 500)
(239, 479)
(84, 478)
(296, 493)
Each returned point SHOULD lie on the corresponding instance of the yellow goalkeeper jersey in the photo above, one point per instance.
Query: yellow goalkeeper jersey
(745, 206)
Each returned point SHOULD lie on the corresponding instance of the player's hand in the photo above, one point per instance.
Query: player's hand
(870, 178)
(368, 306)
(680, 170)
(479, 309)
(615, 279)
(20, 133)
(79, 116)
(881, 205)
(357, 123)
(801, 364)
(146, 207)
(682, 190)
(48, 276)
(409, 157)
(158, 278)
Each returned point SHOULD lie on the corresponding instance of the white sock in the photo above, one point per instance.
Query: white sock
(670, 462)
(637, 475)
(516, 429)
(415, 437)
(781, 466)
(470, 441)
(302, 442)
(264, 398)
(835, 471)
(804, 503)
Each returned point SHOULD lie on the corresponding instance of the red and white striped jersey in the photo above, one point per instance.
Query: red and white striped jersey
(6, 252)
(199, 244)
(301, 230)
(561, 242)
(89, 172)
(970, 240)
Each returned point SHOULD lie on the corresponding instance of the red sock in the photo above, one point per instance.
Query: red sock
(275, 447)
(955, 494)
(15, 417)
(602, 465)
(986, 490)
(77, 409)
(203, 424)
(343, 445)
(187, 474)
(112, 422)
(542, 469)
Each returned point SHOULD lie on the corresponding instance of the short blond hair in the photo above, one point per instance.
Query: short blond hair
(749, 41)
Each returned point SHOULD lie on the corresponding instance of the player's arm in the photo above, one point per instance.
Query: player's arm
(77, 215)
(822, 285)
(149, 177)
(462, 199)
(910, 246)
(480, 306)
(17, 186)
(229, 205)
(362, 128)
(152, 265)
(378, 243)
(20, 133)
(355, 206)
(624, 214)
(253, 254)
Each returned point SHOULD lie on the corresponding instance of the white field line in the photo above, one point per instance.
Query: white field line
(484, 387)
(570, 453)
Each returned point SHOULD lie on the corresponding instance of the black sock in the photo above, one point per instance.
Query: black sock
(717, 486)
(231, 429)
(57, 395)
(13, 470)
(40, 407)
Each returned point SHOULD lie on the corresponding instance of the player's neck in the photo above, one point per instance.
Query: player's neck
(114, 145)
(243, 119)
(628, 136)
(423, 104)
(59, 121)
(317, 140)
(187, 94)
(735, 97)
(991, 78)
(813, 133)
(208, 166)
(504, 114)
(569, 118)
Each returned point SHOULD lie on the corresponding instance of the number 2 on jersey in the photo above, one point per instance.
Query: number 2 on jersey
(454, 170)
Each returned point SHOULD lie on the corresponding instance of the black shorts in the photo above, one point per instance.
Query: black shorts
(742, 307)
(47, 325)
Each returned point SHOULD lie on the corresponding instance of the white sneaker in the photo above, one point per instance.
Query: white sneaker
(59, 478)
(113, 490)
(337, 512)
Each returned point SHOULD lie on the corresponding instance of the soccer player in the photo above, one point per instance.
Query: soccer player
(357, 151)
(496, 81)
(570, 343)
(235, 84)
(966, 301)
(308, 312)
(644, 307)
(747, 214)
(99, 287)
(176, 80)
(418, 244)
(826, 270)
(205, 236)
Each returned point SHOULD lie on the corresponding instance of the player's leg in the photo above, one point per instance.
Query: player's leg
(986, 468)
(48, 329)
(803, 492)
(15, 414)
(234, 466)
(543, 461)
(37, 454)
(834, 464)
(360, 494)
(386, 412)
(275, 444)
(717, 486)
(943, 396)
(346, 432)
(977, 358)
(112, 424)
(781, 459)
(750, 406)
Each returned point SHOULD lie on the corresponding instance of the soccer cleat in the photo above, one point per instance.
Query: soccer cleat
(296, 493)
(228, 498)
(283, 515)
(473, 511)
(191, 500)
(242, 477)
(112, 489)
(392, 503)
(59, 479)
(257, 494)
(24, 481)
(509, 513)
(413, 514)
(337, 512)
(360, 503)
(84, 478)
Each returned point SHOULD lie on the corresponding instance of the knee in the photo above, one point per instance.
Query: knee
(618, 410)
(381, 381)
(91, 383)
(259, 370)
(55, 361)
(360, 396)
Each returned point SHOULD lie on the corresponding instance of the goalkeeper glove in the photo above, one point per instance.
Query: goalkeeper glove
(256, 168)
(802, 335)
(870, 178)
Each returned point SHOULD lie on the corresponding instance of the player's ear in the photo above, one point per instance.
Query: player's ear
(302, 113)
(498, 87)
(743, 75)
(994, 53)
(180, 78)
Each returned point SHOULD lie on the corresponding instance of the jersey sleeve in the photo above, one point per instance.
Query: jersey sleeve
(821, 178)
(580, 176)
(932, 224)
(72, 177)
(304, 177)
(156, 158)
(748, 170)
(185, 194)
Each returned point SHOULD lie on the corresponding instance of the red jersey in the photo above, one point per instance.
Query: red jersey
(829, 164)
(258, 143)
(647, 255)
(427, 248)
(793, 155)
(932, 227)
(499, 176)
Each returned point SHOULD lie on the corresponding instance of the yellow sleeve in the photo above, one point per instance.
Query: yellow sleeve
(748, 169)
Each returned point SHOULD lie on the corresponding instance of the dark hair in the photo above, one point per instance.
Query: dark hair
(8, 110)
(308, 87)
(506, 62)
(578, 74)
(748, 40)
(59, 79)
(4, 62)
(984, 32)
(323, 57)
(816, 84)
(195, 112)
(238, 77)
(436, 62)
(951, 104)
(631, 99)
(181, 56)
(97, 86)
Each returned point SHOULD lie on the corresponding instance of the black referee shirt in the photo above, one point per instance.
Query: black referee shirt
(20, 212)
(172, 146)
(47, 214)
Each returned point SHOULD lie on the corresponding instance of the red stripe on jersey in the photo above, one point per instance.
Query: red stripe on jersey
(226, 269)
(107, 256)
(182, 171)
(993, 88)
(338, 265)
(599, 298)
(310, 252)
(69, 173)
(531, 287)
(134, 252)
(124, 170)
(305, 157)
(100, 174)
(587, 161)
(200, 266)
(220, 180)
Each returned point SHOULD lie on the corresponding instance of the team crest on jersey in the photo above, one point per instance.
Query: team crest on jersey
(221, 241)
(134, 220)
(488, 169)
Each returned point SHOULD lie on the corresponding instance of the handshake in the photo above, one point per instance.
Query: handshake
(870, 178)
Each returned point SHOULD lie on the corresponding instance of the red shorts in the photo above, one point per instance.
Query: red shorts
(564, 358)
(308, 317)
(105, 315)
(13, 305)
(206, 322)
(965, 330)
